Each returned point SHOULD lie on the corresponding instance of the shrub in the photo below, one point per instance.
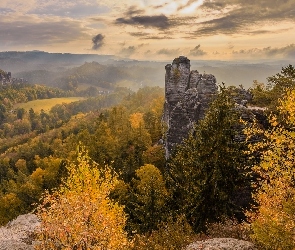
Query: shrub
(171, 235)
(79, 214)
(229, 228)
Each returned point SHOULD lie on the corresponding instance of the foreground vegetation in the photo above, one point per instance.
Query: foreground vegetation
(127, 196)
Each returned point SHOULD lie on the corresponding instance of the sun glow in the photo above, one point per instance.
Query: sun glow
(172, 7)
(192, 7)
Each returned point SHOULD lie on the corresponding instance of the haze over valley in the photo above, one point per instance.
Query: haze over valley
(55, 69)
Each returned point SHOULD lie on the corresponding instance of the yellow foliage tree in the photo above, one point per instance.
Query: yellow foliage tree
(10, 207)
(136, 120)
(273, 222)
(79, 214)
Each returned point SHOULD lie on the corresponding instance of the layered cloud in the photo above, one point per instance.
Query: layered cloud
(238, 16)
(168, 52)
(284, 52)
(168, 26)
(136, 17)
(70, 9)
(33, 31)
(128, 51)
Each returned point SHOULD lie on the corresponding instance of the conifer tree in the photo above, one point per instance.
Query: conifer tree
(204, 170)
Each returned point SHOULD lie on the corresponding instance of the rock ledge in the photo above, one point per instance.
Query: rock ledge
(221, 244)
(17, 234)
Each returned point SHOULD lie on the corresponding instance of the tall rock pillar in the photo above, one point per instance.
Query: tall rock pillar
(187, 96)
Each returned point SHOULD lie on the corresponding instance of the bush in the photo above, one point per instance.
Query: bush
(79, 214)
(171, 235)
(229, 228)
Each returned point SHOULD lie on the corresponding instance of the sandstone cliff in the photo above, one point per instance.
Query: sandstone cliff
(187, 97)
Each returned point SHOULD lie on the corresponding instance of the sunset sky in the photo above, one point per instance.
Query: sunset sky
(152, 29)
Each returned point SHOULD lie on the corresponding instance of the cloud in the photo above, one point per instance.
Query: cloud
(230, 24)
(190, 6)
(6, 10)
(239, 16)
(17, 6)
(150, 36)
(142, 45)
(139, 34)
(196, 51)
(211, 17)
(31, 31)
(97, 41)
(74, 9)
(128, 51)
(156, 37)
(230, 45)
(136, 17)
(214, 5)
(284, 52)
(134, 10)
(159, 22)
(168, 52)
(288, 51)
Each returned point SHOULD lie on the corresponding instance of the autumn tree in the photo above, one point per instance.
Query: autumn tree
(268, 95)
(144, 199)
(79, 214)
(205, 171)
(260, 94)
(273, 220)
(10, 207)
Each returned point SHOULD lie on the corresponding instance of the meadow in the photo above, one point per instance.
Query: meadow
(46, 104)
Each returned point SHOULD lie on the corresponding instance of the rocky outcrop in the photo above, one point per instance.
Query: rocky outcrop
(187, 97)
(6, 79)
(221, 244)
(19, 233)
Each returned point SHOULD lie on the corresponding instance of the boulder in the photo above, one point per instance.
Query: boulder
(221, 244)
(19, 233)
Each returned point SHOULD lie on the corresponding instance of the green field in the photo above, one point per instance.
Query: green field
(46, 104)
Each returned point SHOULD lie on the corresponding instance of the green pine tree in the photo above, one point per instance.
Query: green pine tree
(204, 170)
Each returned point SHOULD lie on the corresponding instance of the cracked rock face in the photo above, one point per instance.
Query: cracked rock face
(187, 97)
(19, 233)
(221, 244)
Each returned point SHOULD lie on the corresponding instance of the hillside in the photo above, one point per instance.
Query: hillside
(152, 166)
(104, 77)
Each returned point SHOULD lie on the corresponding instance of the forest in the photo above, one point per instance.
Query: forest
(103, 158)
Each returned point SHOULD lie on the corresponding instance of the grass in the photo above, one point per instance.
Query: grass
(46, 104)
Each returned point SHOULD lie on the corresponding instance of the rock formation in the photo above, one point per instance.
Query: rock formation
(222, 244)
(6, 79)
(187, 97)
(19, 233)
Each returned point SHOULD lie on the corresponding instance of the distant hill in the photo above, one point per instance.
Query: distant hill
(107, 71)
(15, 61)
(106, 77)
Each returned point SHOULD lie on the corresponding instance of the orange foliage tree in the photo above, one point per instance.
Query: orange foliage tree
(79, 214)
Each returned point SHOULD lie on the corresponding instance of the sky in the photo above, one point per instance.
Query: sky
(152, 29)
